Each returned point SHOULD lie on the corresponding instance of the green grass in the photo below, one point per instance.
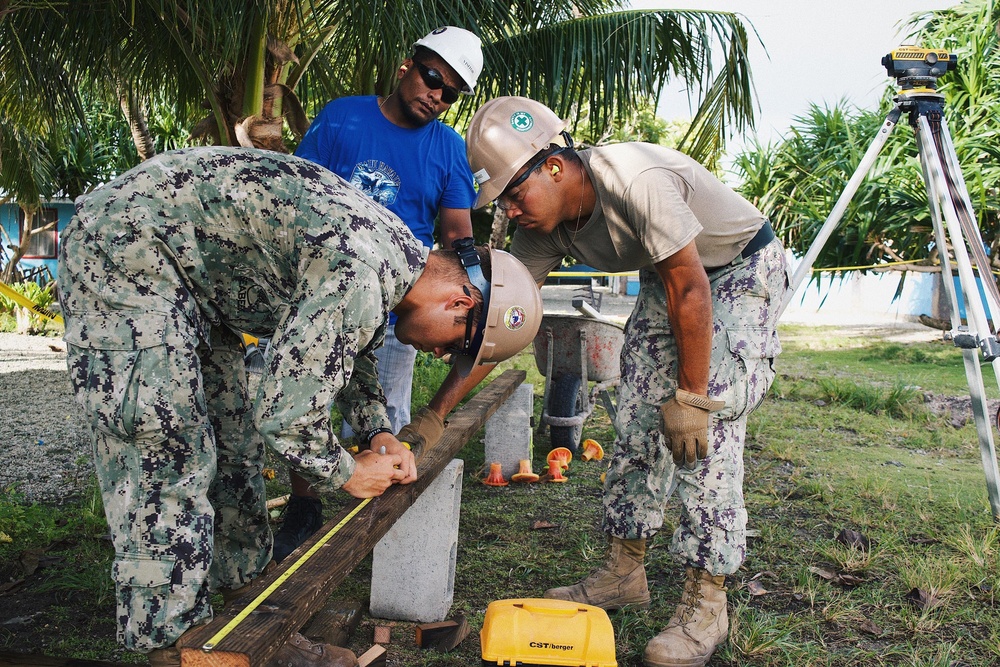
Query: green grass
(844, 441)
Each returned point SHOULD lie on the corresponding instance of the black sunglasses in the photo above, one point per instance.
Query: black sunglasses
(433, 80)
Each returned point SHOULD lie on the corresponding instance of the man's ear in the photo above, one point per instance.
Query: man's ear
(403, 68)
(462, 301)
(556, 167)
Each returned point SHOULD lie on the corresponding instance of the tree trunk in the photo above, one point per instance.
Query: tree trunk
(18, 251)
(498, 237)
(136, 118)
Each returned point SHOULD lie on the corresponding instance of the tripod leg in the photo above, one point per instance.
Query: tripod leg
(832, 220)
(984, 428)
(968, 218)
(944, 216)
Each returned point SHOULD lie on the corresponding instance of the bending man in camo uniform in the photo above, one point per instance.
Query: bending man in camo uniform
(157, 271)
(698, 351)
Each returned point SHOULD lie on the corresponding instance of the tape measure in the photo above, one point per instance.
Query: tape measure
(284, 576)
(229, 627)
(25, 302)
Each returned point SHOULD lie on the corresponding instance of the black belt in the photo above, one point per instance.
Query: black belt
(763, 236)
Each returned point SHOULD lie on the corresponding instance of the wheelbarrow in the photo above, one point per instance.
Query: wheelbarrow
(572, 351)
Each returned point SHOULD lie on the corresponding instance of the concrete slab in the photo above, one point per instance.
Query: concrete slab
(507, 439)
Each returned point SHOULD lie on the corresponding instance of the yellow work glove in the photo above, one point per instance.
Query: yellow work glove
(423, 431)
(685, 425)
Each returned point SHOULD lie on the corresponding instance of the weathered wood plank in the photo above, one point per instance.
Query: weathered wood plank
(257, 637)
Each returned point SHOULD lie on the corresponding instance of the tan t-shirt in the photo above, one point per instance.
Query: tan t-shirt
(651, 202)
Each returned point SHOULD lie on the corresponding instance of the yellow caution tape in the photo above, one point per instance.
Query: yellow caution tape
(25, 302)
(282, 578)
(591, 274)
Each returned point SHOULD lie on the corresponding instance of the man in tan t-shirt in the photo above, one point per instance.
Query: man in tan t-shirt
(699, 345)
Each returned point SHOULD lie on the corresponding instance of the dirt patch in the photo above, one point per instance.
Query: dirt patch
(957, 409)
(52, 596)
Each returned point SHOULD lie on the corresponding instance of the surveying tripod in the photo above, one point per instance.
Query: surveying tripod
(954, 222)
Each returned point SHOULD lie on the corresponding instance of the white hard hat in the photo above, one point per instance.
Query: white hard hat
(459, 48)
(504, 134)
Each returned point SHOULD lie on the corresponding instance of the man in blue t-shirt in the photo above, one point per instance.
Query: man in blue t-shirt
(395, 150)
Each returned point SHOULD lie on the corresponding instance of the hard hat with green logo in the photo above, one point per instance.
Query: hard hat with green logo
(504, 134)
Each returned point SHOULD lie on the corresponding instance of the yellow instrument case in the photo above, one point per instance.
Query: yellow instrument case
(537, 632)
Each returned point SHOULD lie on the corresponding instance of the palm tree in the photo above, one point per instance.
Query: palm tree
(239, 71)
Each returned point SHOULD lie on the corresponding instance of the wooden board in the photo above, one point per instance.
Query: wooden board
(257, 637)
(373, 657)
(444, 635)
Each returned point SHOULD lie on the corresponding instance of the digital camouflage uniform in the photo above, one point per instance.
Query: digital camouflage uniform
(157, 269)
(652, 202)
(712, 530)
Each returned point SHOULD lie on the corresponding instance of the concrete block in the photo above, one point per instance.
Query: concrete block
(413, 566)
(508, 432)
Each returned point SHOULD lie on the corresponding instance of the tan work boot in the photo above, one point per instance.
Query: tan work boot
(619, 582)
(300, 652)
(164, 657)
(699, 625)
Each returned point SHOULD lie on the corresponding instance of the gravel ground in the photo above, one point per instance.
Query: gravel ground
(45, 452)
(44, 448)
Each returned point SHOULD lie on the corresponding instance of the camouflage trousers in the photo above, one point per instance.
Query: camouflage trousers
(178, 460)
(746, 297)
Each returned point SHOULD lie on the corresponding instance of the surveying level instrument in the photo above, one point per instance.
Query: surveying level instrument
(916, 71)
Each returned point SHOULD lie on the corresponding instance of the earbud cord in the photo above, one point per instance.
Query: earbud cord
(579, 214)
(385, 99)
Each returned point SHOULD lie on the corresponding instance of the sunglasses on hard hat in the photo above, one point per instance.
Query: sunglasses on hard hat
(433, 80)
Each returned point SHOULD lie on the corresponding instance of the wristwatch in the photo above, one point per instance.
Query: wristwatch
(369, 435)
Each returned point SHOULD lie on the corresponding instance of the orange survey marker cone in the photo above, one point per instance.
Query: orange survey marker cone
(495, 478)
(555, 472)
(562, 455)
(524, 474)
(592, 450)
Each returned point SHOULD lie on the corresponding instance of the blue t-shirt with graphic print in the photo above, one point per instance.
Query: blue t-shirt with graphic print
(411, 172)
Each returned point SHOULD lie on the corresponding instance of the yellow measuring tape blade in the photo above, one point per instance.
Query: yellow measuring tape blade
(25, 302)
(229, 627)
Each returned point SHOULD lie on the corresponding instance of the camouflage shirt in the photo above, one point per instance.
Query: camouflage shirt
(263, 243)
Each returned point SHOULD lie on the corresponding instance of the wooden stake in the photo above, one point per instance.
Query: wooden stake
(277, 502)
(443, 636)
(382, 634)
(373, 657)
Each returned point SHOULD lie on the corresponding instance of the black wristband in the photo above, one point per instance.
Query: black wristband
(369, 435)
